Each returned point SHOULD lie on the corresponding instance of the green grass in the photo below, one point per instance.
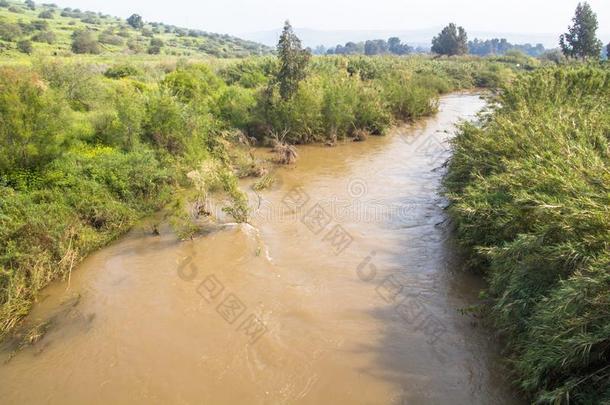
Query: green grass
(530, 192)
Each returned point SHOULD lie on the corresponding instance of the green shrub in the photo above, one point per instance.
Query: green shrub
(235, 106)
(45, 36)
(25, 46)
(47, 14)
(83, 41)
(192, 83)
(10, 32)
(78, 81)
(121, 71)
(33, 124)
(121, 125)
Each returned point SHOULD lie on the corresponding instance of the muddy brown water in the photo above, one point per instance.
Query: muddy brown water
(345, 289)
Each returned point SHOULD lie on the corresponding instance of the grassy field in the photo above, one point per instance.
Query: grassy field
(50, 30)
(530, 192)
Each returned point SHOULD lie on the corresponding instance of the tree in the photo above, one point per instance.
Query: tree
(452, 40)
(608, 51)
(398, 48)
(83, 41)
(135, 20)
(580, 40)
(375, 47)
(293, 62)
(30, 4)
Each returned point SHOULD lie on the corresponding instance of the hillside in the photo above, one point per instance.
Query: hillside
(50, 30)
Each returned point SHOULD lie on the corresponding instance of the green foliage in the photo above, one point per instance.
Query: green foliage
(293, 62)
(529, 192)
(121, 71)
(452, 40)
(580, 40)
(32, 127)
(78, 81)
(192, 83)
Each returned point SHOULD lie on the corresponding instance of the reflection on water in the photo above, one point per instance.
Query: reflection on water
(345, 288)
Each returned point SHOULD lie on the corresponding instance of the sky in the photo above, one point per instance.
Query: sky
(245, 16)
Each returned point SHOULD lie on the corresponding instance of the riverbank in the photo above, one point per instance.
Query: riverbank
(530, 197)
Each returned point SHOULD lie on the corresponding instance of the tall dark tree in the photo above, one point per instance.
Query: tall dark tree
(394, 44)
(608, 51)
(580, 40)
(135, 20)
(293, 62)
(452, 40)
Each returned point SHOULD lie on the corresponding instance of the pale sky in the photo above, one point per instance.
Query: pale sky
(240, 16)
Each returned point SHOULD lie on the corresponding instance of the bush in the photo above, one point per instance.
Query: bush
(121, 125)
(33, 124)
(192, 83)
(47, 14)
(10, 32)
(78, 82)
(83, 41)
(45, 36)
(25, 46)
(121, 71)
(166, 127)
(155, 46)
(110, 39)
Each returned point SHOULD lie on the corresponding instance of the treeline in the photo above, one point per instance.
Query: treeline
(497, 46)
(530, 194)
(393, 46)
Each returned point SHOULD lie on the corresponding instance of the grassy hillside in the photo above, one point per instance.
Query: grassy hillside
(50, 28)
(530, 192)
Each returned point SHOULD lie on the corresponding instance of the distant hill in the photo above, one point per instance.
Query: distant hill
(49, 30)
(415, 38)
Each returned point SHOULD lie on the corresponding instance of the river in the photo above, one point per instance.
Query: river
(346, 288)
